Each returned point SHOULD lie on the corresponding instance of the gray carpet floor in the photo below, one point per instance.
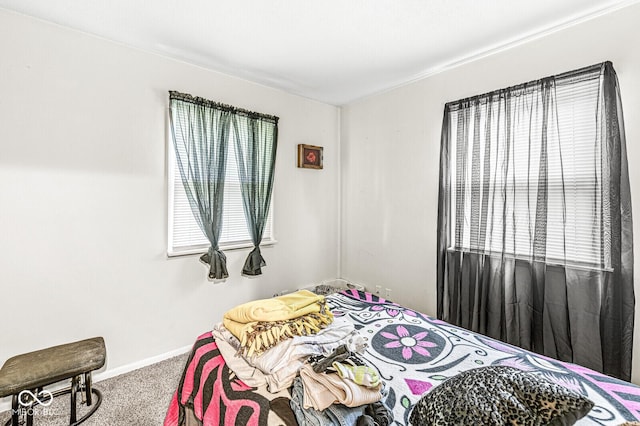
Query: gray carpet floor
(140, 398)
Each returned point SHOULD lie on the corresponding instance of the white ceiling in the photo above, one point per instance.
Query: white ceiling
(334, 51)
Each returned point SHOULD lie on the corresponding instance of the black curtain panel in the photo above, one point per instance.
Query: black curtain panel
(534, 219)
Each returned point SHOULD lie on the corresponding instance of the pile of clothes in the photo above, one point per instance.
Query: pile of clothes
(293, 342)
(261, 324)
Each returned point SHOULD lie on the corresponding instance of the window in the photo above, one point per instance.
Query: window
(520, 169)
(185, 236)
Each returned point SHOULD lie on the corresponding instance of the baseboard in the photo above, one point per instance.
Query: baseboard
(107, 374)
(5, 403)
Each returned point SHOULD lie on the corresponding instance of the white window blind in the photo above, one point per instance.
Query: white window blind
(504, 200)
(185, 236)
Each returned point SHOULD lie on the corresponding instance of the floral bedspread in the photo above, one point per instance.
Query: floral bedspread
(414, 353)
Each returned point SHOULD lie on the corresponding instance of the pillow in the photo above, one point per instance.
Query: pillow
(325, 289)
(499, 395)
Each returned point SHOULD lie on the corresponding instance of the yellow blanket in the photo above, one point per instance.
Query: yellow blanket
(261, 324)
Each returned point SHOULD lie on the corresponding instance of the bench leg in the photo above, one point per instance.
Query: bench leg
(15, 407)
(74, 392)
(87, 387)
(95, 396)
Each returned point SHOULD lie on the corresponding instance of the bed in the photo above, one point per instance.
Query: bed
(413, 354)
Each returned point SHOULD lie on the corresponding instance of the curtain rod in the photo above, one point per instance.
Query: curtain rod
(217, 105)
(568, 75)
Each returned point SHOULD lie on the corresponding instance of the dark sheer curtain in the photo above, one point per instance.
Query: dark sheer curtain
(256, 145)
(534, 219)
(200, 132)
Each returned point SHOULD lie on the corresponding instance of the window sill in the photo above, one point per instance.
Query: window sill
(200, 250)
(573, 264)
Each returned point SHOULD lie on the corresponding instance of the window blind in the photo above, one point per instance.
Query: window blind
(185, 236)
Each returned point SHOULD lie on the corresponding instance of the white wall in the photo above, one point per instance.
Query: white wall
(391, 142)
(83, 188)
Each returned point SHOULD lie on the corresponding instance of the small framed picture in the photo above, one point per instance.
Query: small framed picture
(309, 156)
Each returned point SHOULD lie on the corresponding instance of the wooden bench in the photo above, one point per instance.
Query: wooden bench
(24, 377)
